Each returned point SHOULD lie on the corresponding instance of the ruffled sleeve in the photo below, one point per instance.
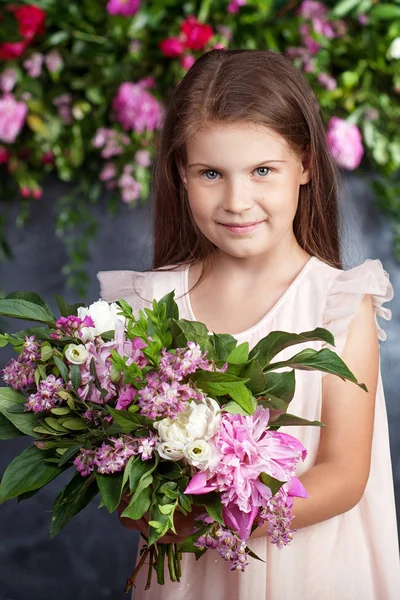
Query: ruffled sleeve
(126, 285)
(346, 292)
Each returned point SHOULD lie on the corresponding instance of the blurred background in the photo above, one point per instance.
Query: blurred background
(82, 89)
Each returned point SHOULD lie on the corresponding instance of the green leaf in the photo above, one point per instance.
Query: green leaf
(184, 331)
(188, 544)
(62, 305)
(383, 12)
(25, 422)
(222, 344)
(239, 355)
(61, 411)
(26, 305)
(62, 368)
(28, 471)
(74, 424)
(276, 341)
(127, 420)
(77, 494)
(68, 454)
(225, 384)
(110, 487)
(46, 352)
(255, 375)
(140, 500)
(235, 409)
(212, 504)
(287, 419)
(139, 469)
(273, 484)
(343, 8)
(7, 429)
(171, 305)
(75, 376)
(280, 385)
(322, 360)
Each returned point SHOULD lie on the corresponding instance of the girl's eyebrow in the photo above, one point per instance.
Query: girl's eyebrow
(271, 160)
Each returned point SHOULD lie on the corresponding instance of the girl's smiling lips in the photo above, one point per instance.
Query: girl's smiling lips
(241, 227)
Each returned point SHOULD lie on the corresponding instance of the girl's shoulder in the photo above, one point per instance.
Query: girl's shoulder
(345, 288)
(139, 288)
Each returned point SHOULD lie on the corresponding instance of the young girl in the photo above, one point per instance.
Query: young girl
(246, 233)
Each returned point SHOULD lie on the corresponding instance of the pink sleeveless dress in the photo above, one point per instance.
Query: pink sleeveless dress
(353, 556)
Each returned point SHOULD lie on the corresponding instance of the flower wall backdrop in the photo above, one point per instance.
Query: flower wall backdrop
(83, 86)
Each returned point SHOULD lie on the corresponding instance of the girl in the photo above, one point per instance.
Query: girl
(246, 232)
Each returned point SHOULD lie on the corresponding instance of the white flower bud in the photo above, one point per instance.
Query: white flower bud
(171, 450)
(76, 354)
(103, 315)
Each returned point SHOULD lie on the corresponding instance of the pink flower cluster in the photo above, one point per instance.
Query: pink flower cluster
(34, 63)
(136, 109)
(111, 458)
(126, 8)
(345, 143)
(12, 118)
(248, 449)
(112, 142)
(70, 327)
(20, 374)
(278, 514)
(235, 5)
(164, 394)
(46, 396)
(63, 104)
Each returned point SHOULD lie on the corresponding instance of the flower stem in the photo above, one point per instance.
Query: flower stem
(178, 557)
(204, 11)
(150, 570)
(131, 580)
(160, 563)
(171, 562)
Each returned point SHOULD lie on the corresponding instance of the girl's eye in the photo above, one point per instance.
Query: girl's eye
(211, 175)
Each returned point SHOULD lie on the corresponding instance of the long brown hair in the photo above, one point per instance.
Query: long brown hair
(243, 86)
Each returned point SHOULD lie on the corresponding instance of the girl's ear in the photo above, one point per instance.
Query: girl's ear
(305, 175)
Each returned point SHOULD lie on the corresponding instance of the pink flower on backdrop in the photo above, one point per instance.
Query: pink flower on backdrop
(142, 158)
(8, 79)
(53, 61)
(327, 81)
(4, 155)
(12, 118)
(197, 34)
(33, 64)
(345, 143)
(235, 5)
(108, 172)
(172, 47)
(126, 8)
(136, 108)
(187, 61)
(11, 50)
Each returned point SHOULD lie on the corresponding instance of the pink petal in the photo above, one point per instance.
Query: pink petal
(297, 488)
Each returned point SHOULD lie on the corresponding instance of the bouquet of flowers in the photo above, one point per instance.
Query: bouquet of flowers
(158, 415)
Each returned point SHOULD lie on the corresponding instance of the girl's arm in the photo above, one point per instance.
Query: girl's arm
(337, 481)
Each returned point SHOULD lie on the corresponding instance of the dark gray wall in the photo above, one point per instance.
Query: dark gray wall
(91, 558)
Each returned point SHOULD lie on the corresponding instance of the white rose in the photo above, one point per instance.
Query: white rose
(394, 48)
(199, 420)
(201, 454)
(104, 316)
(171, 450)
(76, 354)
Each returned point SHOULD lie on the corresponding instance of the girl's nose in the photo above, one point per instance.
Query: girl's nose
(237, 197)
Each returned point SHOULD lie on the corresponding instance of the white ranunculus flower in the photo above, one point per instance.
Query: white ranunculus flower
(104, 316)
(199, 420)
(394, 48)
(171, 450)
(201, 454)
(76, 354)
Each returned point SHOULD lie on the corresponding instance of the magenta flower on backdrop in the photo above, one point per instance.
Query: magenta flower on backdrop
(12, 118)
(126, 8)
(345, 143)
(136, 109)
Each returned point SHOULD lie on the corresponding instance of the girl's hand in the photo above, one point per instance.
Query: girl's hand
(183, 524)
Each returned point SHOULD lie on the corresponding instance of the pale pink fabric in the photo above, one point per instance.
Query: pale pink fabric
(353, 556)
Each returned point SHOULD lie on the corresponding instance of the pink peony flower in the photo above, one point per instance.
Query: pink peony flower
(187, 61)
(12, 118)
(197, 34)
(136, 108)
(126, 8)
(345, 143)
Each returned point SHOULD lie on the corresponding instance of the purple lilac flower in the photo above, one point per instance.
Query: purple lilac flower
(19, 375)
(84, 462)
(71, 327)
(31, 350)
(146, 446)
(228, 545)
(136, 109)
(12, 118)
(278, 514)
(46, 398)
(126, 8)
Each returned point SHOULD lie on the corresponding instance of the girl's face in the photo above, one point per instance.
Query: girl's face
(243, 187)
